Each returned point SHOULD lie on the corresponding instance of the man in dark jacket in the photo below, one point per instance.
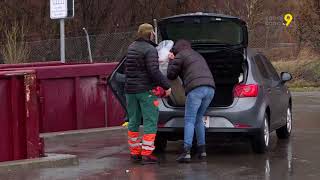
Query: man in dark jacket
(199, 85)
(142, 75)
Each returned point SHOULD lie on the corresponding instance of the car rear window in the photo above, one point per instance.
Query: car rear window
(272, 71)
(224, 32)
(261, 67)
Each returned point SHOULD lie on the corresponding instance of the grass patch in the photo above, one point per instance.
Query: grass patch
(306, 74)
(304, 89)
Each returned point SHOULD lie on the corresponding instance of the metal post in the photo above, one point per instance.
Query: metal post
(267, 39)
(88, 43)
(156, 30)
(62, 42)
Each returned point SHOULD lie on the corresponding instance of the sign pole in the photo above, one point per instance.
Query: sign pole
(60, 10)
(62, 42)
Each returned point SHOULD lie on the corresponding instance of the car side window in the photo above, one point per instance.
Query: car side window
(272, 71)
(261, 67)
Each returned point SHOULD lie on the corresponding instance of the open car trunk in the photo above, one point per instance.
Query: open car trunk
(221, 40)
(228, 69)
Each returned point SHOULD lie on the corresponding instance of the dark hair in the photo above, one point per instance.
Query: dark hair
(181, 45)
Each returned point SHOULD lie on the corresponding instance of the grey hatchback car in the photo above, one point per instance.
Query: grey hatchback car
(251, 99)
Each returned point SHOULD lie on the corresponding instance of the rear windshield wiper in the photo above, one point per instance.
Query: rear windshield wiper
(232, 47)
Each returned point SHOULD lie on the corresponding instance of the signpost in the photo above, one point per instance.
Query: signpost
(62, 9)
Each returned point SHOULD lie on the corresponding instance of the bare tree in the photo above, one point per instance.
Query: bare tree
(200, 6)
(15, 49)
(251, 11)
(96, 15)
(308, 26)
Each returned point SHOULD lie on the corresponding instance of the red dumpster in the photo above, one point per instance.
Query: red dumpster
(19, 117)
(25, 65)
(76, 97)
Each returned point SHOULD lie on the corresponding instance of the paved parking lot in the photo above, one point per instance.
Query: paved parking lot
(106, 157)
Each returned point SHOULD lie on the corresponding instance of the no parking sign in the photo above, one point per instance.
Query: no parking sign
(61, 9)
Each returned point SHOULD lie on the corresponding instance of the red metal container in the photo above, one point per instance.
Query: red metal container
(52, 98)
(19, 116)
(74, 96)
(23, 65)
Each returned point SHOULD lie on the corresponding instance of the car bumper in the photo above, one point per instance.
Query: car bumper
(244, 112)
(213, 130)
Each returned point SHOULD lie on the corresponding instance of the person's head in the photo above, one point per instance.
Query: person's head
(146, 31)
(181, 45)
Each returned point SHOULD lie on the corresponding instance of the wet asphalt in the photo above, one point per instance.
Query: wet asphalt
(106, 158)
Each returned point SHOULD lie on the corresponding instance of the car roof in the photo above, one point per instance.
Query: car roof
(202, 14)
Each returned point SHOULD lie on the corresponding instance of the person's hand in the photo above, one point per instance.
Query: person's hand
(171, 56)
(168, 92)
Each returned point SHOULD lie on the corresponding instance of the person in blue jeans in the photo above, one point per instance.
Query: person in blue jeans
(199, 85)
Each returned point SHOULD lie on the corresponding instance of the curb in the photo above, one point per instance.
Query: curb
(50, 161)
(53, 160)
(83, 135)
(82, 132)
(299, 93)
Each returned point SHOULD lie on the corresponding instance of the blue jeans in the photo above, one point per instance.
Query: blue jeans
(197, 103)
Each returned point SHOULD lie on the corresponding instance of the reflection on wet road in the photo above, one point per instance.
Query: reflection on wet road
(106, 157)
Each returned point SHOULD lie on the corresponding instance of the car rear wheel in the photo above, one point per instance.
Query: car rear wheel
(261, 141)
(160, 143)
(285, 131)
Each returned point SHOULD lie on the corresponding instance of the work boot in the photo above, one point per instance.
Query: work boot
(136, 158)
(185, 157)
(201, 152)
(149, 159)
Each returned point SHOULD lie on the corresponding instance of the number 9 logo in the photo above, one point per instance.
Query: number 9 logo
(288, 19)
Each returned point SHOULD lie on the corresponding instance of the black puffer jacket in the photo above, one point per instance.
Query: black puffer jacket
(191, 67)
(142, 68)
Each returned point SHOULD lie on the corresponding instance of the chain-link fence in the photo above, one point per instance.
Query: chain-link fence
(105, 48)
(279, 51)
(112, 47)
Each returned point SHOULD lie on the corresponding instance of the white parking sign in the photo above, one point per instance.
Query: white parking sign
(58, 9)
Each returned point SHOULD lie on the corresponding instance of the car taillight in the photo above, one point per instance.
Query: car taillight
(246, 90)
(239, 125)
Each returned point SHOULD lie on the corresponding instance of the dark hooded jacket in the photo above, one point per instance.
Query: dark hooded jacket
(142, 68)
(190, 66)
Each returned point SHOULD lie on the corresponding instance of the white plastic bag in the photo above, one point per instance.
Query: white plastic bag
(163, 49)
(177, 96)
